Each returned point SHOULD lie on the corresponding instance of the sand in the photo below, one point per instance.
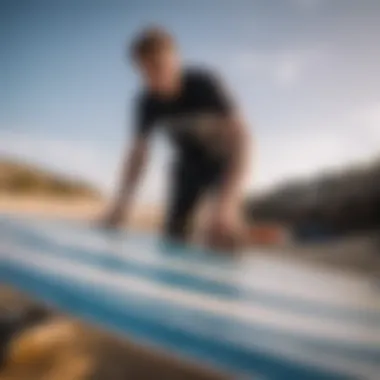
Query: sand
(145, 217)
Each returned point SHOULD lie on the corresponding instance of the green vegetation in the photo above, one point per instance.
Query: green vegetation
(18, 178)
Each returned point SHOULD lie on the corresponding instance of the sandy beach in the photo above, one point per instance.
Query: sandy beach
(146, 218)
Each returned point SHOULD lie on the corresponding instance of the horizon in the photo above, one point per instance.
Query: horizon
(305, 73)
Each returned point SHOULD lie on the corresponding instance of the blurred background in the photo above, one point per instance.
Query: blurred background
(305, 73)
(306, 76)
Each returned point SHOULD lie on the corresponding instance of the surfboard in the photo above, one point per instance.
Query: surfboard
(258, 316)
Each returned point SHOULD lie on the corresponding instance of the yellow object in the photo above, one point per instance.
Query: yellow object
(52, 351)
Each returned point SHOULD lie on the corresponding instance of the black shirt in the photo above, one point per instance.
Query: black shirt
(192, 118)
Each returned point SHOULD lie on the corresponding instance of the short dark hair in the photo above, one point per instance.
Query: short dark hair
(149, 42)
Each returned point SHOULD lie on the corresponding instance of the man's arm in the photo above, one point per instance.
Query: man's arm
(226, 230)
(235, 140)
(133, 166)
(134, 161)
(237, 143)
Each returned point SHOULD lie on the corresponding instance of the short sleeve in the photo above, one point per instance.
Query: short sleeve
(144, 116)
(218, 97)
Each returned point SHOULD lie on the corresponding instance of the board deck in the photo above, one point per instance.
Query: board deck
(259, 316)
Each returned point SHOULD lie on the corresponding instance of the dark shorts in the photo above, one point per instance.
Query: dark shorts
(189, 183)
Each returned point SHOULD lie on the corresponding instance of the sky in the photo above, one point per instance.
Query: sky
(305, 74)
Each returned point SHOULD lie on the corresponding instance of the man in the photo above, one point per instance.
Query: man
(202, 123)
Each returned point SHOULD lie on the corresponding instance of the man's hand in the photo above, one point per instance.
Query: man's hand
(225, 232)
(113, 218)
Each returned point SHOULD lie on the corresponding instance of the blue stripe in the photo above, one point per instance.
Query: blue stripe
(193, 283)
(83, 301)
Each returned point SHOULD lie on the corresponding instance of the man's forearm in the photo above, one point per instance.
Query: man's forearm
(239, 152)
(131, 172)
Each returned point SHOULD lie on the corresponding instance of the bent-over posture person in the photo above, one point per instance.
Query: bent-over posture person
(210, 140)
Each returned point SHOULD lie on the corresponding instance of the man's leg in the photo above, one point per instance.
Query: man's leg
(188, 186)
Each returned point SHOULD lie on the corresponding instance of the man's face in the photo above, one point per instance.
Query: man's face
(160, 71)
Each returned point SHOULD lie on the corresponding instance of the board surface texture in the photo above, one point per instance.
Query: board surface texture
(257, 316)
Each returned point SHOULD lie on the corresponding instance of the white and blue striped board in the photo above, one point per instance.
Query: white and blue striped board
(258, 316)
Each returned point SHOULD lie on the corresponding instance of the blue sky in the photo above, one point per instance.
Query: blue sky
(305, 73)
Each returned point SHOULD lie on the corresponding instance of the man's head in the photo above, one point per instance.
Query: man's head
(155, 54)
